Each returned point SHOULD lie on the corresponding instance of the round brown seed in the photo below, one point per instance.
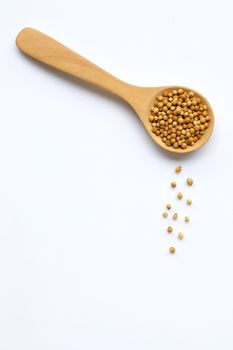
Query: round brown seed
(180, 235)
(179, 195)
(189, 181)
(169, 229)
(178, 169)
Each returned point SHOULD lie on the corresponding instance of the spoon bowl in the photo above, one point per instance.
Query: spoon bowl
(49, 51)
(143, 107)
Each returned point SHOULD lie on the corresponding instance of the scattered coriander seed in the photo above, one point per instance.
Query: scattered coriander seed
(189, 181)
(175, 216)
(168, 206)
(173, 184)
(186, 219)
(179, 195)
(180, 235)
(178, 169)
(189, 201)
(165, 214)
(169, 229)
(172, 250)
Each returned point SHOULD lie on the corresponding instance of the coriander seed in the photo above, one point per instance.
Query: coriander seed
(178, 169)
(182, 111)
(189, 201)
(189, 181)
(179, 195)
(175, 216)
(151, 118)
(172, 250)
(168, 206)
(180, 235)
(173, 184)
(186, 219)
(169, 229)
(165, 214)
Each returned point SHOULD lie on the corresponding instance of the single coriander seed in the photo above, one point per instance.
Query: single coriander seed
(172, 250)
(168, 206)
(169, 229)
(189, 181)
(179, 195)
(180, 235)
(151, 118)
(178, 169)
(186, 219)
(175, 216)
(189, 201)
(165, 214)
(173, 184)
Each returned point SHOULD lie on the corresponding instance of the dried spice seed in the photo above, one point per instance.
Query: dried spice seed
(175, 216)
(189, 201)
(180, 235)
(182, 111)
(178, 168)
(168, 206)
(186, 219)
(172, 250)
(173, 184)
(179, 195)
(165, 214)
(151, 118)
(169, 229)
(189, 181)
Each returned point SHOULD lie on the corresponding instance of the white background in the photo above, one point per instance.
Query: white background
(84, 260)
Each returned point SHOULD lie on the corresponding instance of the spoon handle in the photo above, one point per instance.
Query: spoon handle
(49, 51)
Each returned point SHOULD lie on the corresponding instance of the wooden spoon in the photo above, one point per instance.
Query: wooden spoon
(47, 50)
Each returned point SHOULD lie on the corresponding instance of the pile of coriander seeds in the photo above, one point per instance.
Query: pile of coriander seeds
(179, 117)
(175, 216)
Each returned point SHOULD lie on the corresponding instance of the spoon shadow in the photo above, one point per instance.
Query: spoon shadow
(106, 95)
